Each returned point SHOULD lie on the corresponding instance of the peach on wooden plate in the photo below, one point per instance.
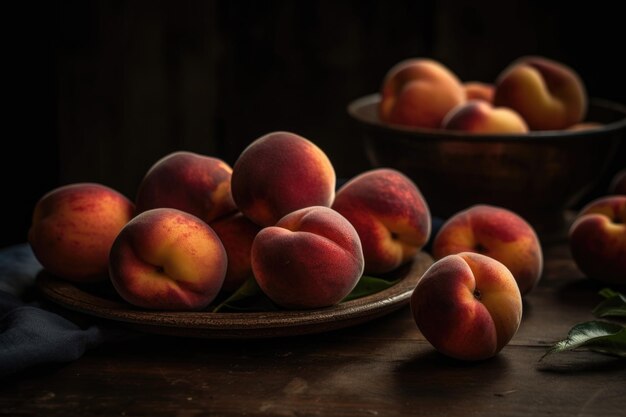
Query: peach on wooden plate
(496, 232)
(195, 183)
(419, 92)
(311, 258)
(597, 239)
(167, 259)
(279, 173)
(73, 227)
(390, 215)
(467, 306)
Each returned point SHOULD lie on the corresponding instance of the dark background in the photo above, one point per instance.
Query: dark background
(99, 90)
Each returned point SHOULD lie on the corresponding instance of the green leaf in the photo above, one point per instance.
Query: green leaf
(600, 336)
(248, 297)
(613, 306)
(369, 285)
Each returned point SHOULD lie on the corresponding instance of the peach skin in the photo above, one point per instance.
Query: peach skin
(279, 173)
(479, 116)
(311, 258)
(419, 92)
(496, 232)
(73, 228)
(548, 94)
(467, 306)
(597, 239)
(187, 181)
(237, 233)
(476, 90)
(167, 259)
(390, 215)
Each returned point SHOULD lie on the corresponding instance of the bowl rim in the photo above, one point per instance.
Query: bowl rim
(454, 135)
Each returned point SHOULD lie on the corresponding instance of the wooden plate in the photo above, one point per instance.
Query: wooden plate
(244, 325)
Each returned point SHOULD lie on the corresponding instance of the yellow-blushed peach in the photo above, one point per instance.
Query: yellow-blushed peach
(73, 227)
(167, 259)
(479, 116)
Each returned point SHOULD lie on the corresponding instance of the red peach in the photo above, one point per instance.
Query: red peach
(311, 258)
(279, 173)
(187, 181)
(496, 232)
(467, 306)
(73, 228)
(237, 233)
(390, 215)
(597, 239)
(419, 92)
(479, 116)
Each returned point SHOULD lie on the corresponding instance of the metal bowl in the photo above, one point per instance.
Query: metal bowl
(539, 175)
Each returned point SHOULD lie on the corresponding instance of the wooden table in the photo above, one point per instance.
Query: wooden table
(382, 368)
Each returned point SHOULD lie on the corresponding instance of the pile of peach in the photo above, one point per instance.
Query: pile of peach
(198, 228)
(532, 93)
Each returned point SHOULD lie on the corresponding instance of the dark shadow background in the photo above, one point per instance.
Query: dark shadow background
(99, 90)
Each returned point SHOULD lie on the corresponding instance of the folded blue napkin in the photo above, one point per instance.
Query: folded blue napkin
(30, 334)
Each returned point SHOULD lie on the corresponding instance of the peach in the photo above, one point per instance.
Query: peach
(195, 183)
(479, 116)
(496, 232)
(311, 258)
(618, 183)
(419, 92)
(584, 126)
(279, 173)
(73, 228)
(548, 94)
(167, 259)
(467, 306)
(597, 239)
(390, 215)
(237, 233)
(476, 90)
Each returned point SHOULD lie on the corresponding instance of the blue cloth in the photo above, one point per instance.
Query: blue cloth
(30, 334)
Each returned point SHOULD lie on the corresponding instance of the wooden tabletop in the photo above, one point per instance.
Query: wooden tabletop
(381, 368)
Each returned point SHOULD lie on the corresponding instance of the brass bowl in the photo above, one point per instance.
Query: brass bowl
(538, 175)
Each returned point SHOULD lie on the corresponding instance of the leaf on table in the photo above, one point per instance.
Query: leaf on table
(248, 297)
(599, 336)
(614, 304)
(369, 285)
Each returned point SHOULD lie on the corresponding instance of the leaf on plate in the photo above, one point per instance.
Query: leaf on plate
(369, 285)
(248, 297)
(614, 304)
(599, 336)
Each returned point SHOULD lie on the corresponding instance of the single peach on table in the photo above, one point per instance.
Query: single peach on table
(167, 259)
(548, 94)
(467, 306)
(279, 173)
(476, 90)
(195, 183)
(390, 215)
(597, 239)
(419, 92)
(496, 232)
(311, 258)
(73, 227)
(237, 233)
(479, 116)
